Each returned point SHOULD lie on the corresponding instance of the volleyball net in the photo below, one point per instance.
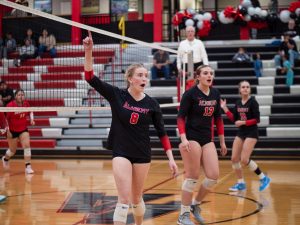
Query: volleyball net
(53, 79)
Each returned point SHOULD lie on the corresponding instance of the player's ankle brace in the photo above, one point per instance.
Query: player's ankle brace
(121, 212)
(139, 209)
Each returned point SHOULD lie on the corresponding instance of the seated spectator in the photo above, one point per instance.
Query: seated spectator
(257, 64)
(6, 93)
(27, 51)
(287, 69)
(161, 60)
(10, 45)
(47, 44)
(31, 37)
(292, 30)
(241, 56)
(288, 48)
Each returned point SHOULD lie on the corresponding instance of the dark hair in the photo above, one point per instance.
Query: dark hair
(18, 90)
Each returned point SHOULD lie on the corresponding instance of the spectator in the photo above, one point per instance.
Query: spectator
(292, 30)
(27, 51)
(10, 45)
(287, 69)
(257, 64)
(47, 44)
(287, 47)
(241, 56)
(161, 60)
(31, 37)
(6, 93)
(194, 45)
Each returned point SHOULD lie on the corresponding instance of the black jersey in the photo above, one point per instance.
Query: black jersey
(198, 110)
(131, 119)
(247, 112)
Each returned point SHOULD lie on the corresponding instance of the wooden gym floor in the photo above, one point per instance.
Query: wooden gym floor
(83, 192)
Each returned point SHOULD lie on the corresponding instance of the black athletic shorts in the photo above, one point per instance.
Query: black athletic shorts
(202, 141)
(133, 160)
(249, 133)
(17, 134)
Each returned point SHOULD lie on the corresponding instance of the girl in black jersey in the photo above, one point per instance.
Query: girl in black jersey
(199, 105)
(132, 114)
(246, 116)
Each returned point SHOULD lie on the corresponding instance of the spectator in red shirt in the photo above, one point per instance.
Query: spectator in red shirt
(18, 131)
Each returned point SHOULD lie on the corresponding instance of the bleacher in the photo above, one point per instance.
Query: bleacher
(84, 133)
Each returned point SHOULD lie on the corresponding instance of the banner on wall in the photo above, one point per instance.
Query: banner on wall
(43, 5)
(119, 6)
(89, 6)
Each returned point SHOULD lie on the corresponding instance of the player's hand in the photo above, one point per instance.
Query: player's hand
(223, 103)
(3, 131)
(223, 149)
(88, 42)
(32, 122)
(239, 123)
(185, 145)
(173, 168)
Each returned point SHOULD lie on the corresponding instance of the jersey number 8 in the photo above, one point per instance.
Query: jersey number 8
(134, 118)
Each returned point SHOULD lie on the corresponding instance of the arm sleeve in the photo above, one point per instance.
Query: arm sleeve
(203, 54)
(230, 116)
(181, 125)
(165, 141)
(218, 112)
(158, 121)
(255, 114)
(103, 88)
(185, 105)
(3, 120)
(220, 126)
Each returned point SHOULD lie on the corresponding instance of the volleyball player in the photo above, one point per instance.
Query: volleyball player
(246, 116)
(18, 131)
(199, 105)
(132, 113)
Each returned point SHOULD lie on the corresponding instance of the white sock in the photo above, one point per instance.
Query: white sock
(195, 202)
(185, 209)
(241, 180)
(261, 176)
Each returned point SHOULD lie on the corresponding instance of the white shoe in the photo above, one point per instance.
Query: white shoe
(5, 164)
(29, 170)
(2, 198)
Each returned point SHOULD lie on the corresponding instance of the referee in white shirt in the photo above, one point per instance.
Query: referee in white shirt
(194, 45)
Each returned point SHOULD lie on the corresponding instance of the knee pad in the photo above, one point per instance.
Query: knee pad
(252, 165)
(236, 166)
(139, 209)
(208, 183)
(27, 152)
(121, 212)
(9, 153)
(189, 185)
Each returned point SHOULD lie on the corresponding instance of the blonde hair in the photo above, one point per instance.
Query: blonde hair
(198, 72)
(130, 71)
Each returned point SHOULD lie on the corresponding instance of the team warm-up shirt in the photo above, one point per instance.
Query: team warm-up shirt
(247, 112)
(198, 110)
(129, 132)
(17, 121)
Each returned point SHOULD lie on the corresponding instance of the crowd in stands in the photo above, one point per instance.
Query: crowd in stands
(30, 48)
